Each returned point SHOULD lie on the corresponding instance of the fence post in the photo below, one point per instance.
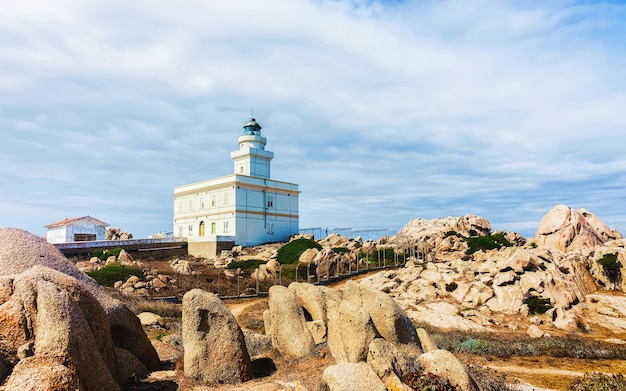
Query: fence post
(257, 282)
(297, 266)
(238, 291)
(218, 282)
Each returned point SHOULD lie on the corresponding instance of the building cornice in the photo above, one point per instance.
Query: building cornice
(235, 180)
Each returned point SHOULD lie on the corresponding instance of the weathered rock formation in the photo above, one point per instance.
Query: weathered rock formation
(433, 235)
(113, 233)
(452, 290)
(565, 229)
(214, 345)
(59, 327)
(359, 326)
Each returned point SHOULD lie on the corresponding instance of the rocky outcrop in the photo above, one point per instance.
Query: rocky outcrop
(114, 233)
(565, 229)
(73, 325)
(443, 363)
(351, 377)
(433, 235)
(287, 325)
(214, 345)
(64, 323)
(562, 266)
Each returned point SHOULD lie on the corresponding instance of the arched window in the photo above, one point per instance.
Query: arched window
(201, 228)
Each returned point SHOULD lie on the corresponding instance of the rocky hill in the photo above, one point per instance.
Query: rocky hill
(568, 277)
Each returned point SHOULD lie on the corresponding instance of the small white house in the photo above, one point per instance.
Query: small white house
(78, 229)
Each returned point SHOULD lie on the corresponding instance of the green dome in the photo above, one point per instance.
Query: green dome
(252, 127)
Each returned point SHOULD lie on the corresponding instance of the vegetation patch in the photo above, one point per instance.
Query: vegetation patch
(537, 305)
(383, 256)
(503, 346)
(108, 275)
(451, 287)
(249, 265)
(340, 250)
(489, 242)
(450, 233)
(599, 382)
(104, 254)
(612, 267)
(290, 252)
(419, 380)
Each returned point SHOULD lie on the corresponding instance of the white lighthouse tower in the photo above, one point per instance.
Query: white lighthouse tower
(247, 208)
(252, 159)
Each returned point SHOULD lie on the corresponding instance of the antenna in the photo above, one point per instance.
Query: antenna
(251, 113)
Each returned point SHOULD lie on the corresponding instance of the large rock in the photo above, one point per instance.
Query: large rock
(389, 319)
(120, 328)
(352, 377)
(433, 234)
(564, 229)
(357, 331)
(311, 298)
(387, 359)
(214, 345)
(290, 334)
(443, 363)
(68, 328)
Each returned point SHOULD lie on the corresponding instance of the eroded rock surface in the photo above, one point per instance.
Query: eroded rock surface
(74, 327)
(214, 345)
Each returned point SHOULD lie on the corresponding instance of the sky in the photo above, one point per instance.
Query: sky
(381, 111)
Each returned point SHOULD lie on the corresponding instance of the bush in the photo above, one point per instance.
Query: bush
(489, 242)
(612, 267)
(108, 275)
(599, 382)
(290, 252)
(387, 255)
(104, 254)
(249, 265)
(340, 250)
(537, 305)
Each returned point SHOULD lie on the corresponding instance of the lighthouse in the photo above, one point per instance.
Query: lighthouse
(245, 208)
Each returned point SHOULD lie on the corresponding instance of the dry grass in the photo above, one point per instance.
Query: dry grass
(163, 308)
(556, 373)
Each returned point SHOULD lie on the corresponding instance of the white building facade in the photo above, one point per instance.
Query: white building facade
(78, 229)
(246, 208)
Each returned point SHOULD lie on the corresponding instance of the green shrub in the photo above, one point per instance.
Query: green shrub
(537, 305)
(340, 250)
(290, 252)
(599, 382)
(387, 256)
(489, 242)
(108, 275)
(612, 267)
(249, 265)
(104, 254)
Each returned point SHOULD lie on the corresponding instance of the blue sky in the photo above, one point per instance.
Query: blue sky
(380, 111)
